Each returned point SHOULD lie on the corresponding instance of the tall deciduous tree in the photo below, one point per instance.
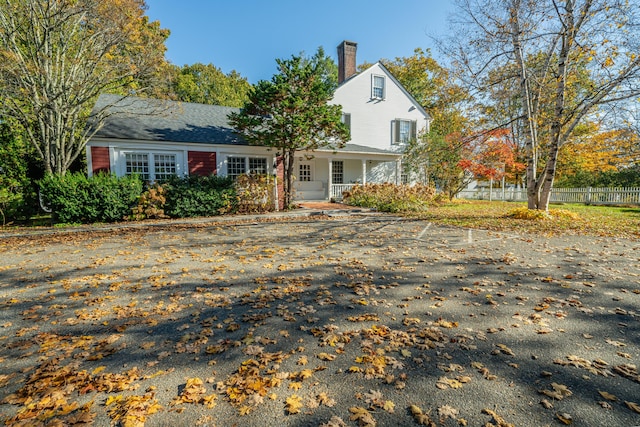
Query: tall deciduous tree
(207, 84)
(434, 157)
(57, 56)
(291, 113)
(599, 39)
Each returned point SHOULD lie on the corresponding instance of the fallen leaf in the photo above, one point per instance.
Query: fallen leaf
(608, 396)
(633, 406)
(293, 404)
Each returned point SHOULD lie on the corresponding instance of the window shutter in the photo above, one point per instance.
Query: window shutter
(346, 119)
(413, 129)
(396, 131)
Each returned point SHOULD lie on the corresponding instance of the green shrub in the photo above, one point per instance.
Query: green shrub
(390, 197)
(193, 196)
(75, 198)
(255, 193)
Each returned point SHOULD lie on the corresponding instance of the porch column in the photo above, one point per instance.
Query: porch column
(364, 171)
(330, 180)
(398, 171)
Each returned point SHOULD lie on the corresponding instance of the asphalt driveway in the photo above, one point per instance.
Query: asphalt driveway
(353, 320)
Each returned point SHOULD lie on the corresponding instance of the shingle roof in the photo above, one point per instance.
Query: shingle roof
(158, 120)
(146, 119)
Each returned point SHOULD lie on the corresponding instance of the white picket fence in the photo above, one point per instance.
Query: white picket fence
(589, 195)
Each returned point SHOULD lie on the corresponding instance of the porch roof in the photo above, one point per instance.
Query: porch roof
(360, 149)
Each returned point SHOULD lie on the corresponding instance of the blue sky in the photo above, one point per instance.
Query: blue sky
(248, 35)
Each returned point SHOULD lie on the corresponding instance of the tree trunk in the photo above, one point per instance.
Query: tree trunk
(288, 177)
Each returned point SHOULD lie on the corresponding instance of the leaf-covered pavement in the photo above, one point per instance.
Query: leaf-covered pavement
(360, 320)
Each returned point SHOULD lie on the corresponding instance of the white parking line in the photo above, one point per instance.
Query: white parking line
(424, 230)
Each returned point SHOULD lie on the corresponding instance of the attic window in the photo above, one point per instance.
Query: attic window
(377, 87)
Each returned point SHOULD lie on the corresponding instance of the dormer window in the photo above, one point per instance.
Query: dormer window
(377, 87)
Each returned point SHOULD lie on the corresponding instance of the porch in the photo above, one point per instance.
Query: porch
(327, 178)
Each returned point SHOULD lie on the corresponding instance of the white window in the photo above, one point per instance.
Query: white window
(165, 166)
(237, 165)
(258, 165)
(337, 172)
(404, 175)
(377, 87)
(305, 173)
(151, 166)
(403, 131)
(137, 164)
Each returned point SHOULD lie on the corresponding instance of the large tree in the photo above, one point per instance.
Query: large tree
(207, 84)
(291, 112)
(434, 157)
(57, 56)
(599, 39)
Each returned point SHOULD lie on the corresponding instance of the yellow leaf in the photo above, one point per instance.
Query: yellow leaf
(633, 406)
(389, 406)
(295, 385)
(293, 404)
(608, 396)
(98, 370)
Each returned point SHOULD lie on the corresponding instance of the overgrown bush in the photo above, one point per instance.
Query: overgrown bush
(76, 198)
(150, 204)
(255, 193)
(391, 197)
(194, 196)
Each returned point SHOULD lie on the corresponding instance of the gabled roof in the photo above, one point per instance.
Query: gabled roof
(397, 83)
(147, 119)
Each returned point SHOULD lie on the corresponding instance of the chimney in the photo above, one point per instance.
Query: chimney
(346, 60)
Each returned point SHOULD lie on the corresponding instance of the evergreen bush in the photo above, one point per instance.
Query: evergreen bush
(76, 198)
(194, 196)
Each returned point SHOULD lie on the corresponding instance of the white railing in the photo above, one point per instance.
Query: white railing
(598, 196)
(335, 192)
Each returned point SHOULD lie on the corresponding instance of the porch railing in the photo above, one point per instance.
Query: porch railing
(335, 192)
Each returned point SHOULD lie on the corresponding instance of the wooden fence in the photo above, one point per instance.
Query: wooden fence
(589, 195)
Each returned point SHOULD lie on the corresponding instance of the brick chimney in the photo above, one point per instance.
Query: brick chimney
(346, 60)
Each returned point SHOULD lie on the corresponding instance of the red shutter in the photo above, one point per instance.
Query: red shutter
(100, 160)
(202, 163)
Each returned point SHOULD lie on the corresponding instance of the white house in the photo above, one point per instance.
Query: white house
(382, 117)
(157, 138)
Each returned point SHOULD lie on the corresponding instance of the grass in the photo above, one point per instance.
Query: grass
(568, 219)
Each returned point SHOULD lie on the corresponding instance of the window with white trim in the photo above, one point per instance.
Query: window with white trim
(377, 87)
(164, 166)
(403, 131)
(305, 174)
(151, 166)
(258, 165)
(137, 164)
(237, 165)
(337, 172)
(404, 175)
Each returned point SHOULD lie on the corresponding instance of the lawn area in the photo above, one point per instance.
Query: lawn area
(592, 220)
